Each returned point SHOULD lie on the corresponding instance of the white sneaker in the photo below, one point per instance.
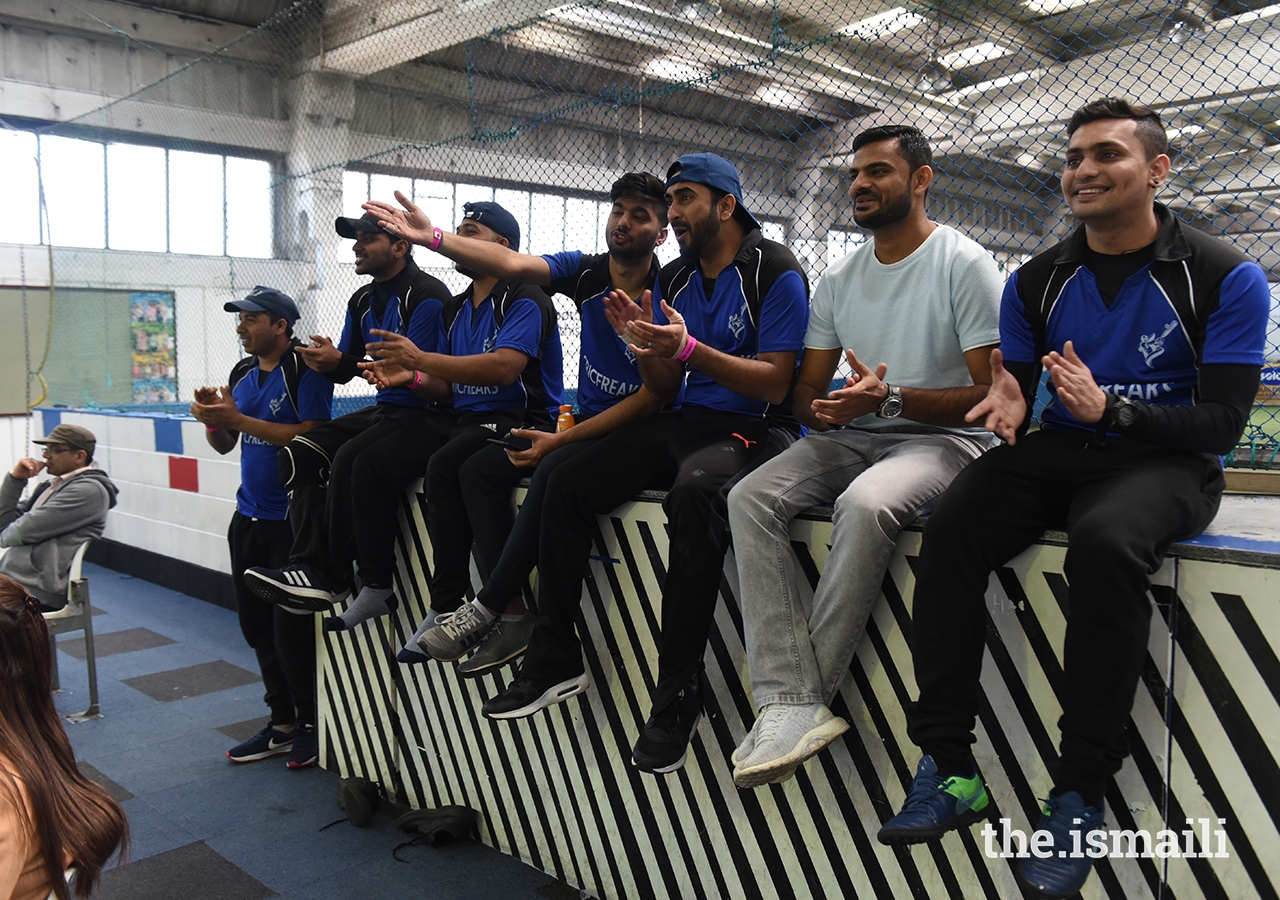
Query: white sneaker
(785, 737)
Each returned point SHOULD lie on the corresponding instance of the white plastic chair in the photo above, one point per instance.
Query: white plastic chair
(76, 616)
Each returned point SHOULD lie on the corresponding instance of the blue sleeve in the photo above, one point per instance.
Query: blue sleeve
(315, 397)
(564, 264)
(522, 328)
(344, 342)
(1237, 330)
(1016, 341)
(425, 325)
(784, 315)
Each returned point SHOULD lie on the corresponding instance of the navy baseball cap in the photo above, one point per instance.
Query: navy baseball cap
(347, 227)
(713, 171)
(491, 215)
(268, 300)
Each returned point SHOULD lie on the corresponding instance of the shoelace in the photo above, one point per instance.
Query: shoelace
(463, 620)
(922, 790)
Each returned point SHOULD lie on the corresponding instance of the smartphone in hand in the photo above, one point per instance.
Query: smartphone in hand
(512, 442)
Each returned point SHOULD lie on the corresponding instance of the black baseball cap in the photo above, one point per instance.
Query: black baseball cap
(268, 300)
(493, 216)
(713, 171)
(368, 223)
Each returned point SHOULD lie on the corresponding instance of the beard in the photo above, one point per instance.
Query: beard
(700, 233)
(465, 272)
(891, 210)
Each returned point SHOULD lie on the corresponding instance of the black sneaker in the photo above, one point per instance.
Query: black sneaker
(266, 743)
(525, 696)
(306, 748)
(297, 586)
(664, 739)
(358, 798)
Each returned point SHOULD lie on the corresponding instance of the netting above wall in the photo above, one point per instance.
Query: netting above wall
(542, 109)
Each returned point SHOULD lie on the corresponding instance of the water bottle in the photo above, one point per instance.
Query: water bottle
(564, 421)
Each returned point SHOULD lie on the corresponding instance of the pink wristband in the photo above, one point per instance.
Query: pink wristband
(417, 380)
(210, 430)
(436, 237)
(688, 348)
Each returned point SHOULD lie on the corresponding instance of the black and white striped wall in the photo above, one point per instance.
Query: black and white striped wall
(558, 791)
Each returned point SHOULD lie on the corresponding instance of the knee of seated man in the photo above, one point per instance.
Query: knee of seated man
(299, 463)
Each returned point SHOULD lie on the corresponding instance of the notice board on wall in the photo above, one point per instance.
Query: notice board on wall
(106, 348)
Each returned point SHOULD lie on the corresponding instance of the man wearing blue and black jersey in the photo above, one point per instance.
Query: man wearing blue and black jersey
(503, 362)
(732, 315)
(610, 392)
(1152, 334)
(271, 397)
(325, 470)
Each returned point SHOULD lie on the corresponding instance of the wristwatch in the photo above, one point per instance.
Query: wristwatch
(891, 406)
(1120, 413)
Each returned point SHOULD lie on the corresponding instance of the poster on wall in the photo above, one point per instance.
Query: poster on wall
(155, 361)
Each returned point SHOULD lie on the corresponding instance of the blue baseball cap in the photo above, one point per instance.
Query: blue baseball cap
(491, 215)
(268, 300)
(713, 171)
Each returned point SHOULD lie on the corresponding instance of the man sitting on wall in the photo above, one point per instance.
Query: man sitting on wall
(502, 360)
(735, 320)
(319, 468)
(1152, 334)
(923, 302)
(610, 393)
(43, 532)
(271, 397)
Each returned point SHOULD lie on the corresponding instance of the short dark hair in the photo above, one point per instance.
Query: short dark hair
(644, 187)
(288, 326)
(912, 145)
(1148, 127)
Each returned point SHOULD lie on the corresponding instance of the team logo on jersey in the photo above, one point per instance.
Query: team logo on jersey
(1151, 346)
(628, 353)
(491, 341)
(278, 404)
(738, 321)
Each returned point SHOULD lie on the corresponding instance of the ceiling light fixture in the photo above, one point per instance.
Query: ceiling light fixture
(698, 9)
(972, 56)
(933, 77)
(886, 22)
(1190, 19)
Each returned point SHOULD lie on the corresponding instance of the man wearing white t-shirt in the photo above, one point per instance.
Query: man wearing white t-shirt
(921, 303)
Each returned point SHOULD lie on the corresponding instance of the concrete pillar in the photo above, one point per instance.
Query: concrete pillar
(809, 227)
(321, 106)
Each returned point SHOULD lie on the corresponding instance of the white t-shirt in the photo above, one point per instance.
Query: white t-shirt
(918, 315)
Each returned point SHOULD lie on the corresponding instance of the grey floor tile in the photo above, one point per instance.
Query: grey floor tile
(110, 643)
(192, 681)
(242, 731)
(193, 872)
(103, 781)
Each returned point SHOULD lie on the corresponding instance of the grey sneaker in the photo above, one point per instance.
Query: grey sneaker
(785, 737)
(453, 636)
(504, 642)
(747, 747)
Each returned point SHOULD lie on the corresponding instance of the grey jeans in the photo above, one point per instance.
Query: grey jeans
(876, 483)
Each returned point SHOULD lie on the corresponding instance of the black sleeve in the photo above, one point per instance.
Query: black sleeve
(1214, 424)
(1028, 375)
(345, 370)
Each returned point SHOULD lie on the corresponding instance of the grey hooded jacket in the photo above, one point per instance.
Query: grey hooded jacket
(42, 541)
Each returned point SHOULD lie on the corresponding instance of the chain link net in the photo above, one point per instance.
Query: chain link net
(325, 105)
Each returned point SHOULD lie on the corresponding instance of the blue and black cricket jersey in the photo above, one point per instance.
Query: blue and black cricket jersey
(521, 317)
(290, 393)
(759, 304)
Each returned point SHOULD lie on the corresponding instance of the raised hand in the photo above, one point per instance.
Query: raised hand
(222, 412)
(396, 349)
(410, 223)
(206, 395)
(862, 392)
(27, 468)
(383, 374)
(1076, 388)
(1004, 407)
(621, 311)
(660, 341)
(322, 355)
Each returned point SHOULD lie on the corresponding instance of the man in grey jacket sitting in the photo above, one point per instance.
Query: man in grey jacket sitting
(43, 532)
